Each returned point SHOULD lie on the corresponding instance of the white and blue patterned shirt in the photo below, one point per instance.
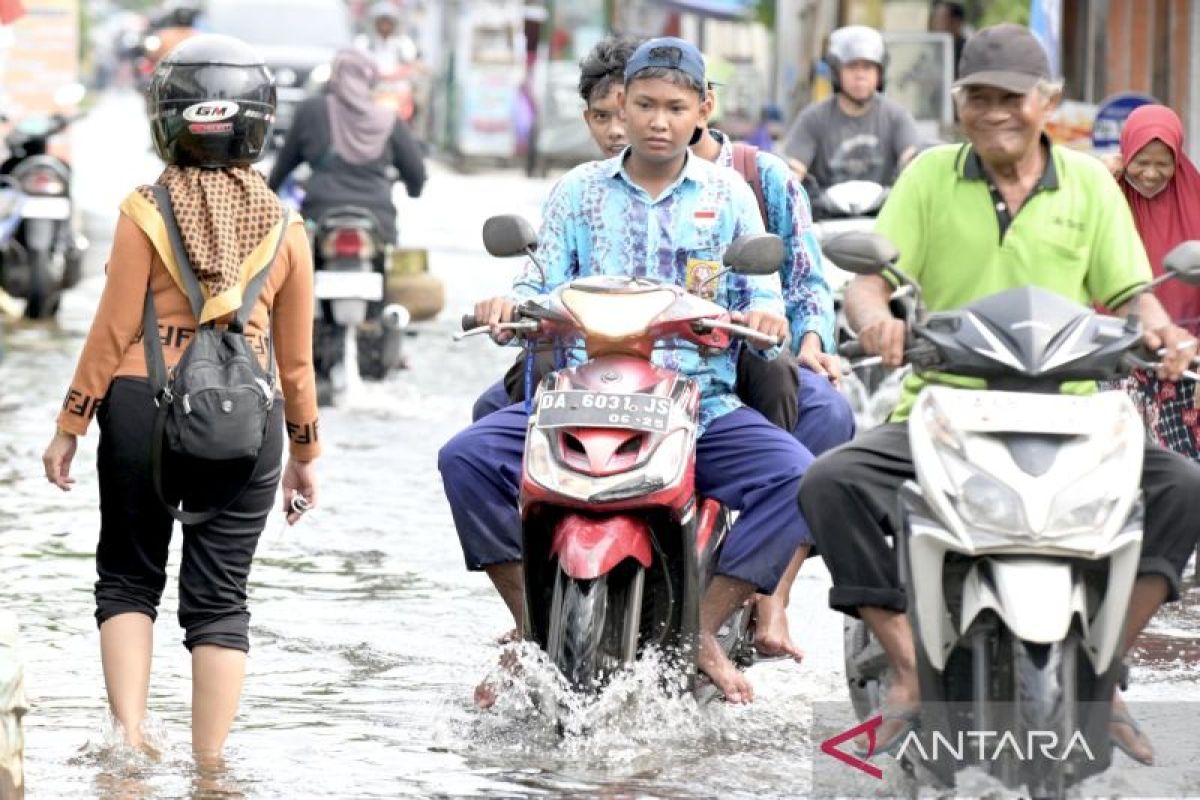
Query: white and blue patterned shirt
(597, 221)
(806, 293)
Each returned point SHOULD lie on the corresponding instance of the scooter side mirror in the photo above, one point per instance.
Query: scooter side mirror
(508, 235)
(755, 254)
(1183, 262)
(861, 252)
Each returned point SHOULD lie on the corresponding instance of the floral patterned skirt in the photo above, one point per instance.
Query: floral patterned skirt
(1168, 409)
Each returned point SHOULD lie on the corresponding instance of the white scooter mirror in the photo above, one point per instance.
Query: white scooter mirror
(69, 95)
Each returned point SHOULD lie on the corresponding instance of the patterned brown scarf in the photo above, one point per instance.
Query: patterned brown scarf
(223, 214)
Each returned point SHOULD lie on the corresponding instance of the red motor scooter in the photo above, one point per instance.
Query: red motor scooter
(617, 546)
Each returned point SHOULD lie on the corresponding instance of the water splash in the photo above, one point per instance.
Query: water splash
(643, 707)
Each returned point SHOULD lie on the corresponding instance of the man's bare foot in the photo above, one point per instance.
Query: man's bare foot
(1127, 734)
(487, 692)
(510, 636)
(902, 701)
(772, 636)
(721, 671)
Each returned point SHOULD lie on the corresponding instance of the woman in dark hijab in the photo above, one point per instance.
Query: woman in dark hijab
(352, 145)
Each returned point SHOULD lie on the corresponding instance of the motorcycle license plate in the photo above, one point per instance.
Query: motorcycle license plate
(348, 285)
(46, 208)
(643, 412)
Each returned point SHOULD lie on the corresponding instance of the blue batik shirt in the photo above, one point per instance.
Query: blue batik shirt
(598, 222)
(805, 292)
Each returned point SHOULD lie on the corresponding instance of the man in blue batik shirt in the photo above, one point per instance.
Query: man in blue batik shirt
(660, 212)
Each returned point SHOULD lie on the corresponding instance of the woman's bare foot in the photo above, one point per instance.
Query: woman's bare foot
(721, 671)
(772, 636)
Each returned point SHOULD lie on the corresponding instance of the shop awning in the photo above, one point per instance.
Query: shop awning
(724, 9)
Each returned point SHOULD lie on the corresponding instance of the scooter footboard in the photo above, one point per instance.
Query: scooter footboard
(588, 547)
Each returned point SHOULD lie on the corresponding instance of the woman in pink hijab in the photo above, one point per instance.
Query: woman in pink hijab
(1163, 190)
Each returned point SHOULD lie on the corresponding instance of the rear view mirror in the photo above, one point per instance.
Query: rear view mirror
(861, 252)
(508, 235)
(1184, 262)
(755, 254)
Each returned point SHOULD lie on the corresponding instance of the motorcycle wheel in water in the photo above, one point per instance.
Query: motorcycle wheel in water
(616, 563)
(1017, 613)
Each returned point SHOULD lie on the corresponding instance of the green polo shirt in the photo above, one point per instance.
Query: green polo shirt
(1073, 236)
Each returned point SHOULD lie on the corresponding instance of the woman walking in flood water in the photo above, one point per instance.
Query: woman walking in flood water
(209, 258)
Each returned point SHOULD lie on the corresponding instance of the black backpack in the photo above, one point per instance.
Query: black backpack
(216, 404)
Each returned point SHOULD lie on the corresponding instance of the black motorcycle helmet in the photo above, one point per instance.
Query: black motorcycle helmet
(211, 103)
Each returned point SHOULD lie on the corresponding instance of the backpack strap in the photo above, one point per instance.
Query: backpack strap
(745, 161)
(191, 284)
(254, 289)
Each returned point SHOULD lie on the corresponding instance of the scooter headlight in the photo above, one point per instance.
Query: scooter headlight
(662, 469)
(1087, 504)
(981, 500)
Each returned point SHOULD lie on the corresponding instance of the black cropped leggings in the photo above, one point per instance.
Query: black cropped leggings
(135, 529)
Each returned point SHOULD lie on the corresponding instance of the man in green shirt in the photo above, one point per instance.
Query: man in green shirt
(1007, 209)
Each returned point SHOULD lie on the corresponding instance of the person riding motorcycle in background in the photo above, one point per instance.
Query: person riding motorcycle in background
(352, 145)
(177, 22)
(858, 134)
(387, 42)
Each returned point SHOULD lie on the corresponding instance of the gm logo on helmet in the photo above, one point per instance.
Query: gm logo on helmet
(210, 111)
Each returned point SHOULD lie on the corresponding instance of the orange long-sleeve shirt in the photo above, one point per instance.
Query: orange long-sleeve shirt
(114, 343)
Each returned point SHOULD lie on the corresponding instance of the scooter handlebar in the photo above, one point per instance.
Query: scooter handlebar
(851, 349)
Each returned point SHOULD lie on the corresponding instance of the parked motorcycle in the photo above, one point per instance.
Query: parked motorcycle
(618, 548)
(44, 256)
(1020, 537)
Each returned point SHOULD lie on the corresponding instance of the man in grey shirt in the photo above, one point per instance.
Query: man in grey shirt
(857, 134)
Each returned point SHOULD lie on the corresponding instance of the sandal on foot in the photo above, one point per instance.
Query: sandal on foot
(1123, 718)
(911, 717)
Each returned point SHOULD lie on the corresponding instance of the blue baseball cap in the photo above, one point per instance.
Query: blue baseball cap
(667, 52)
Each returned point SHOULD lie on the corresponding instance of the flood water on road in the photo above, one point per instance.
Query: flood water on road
(368, 635)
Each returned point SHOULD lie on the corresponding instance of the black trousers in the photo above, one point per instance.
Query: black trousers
(135, 529)
(849, 497)
(772, 388)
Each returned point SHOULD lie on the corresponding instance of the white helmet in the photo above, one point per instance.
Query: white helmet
(855, 43)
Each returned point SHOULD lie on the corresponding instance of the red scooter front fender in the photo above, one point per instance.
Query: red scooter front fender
(588, 547)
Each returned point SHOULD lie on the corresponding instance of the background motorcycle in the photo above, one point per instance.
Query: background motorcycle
(44, 256)
(849, 207)
(617, 546)
(355, 333)
(1019, 541)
